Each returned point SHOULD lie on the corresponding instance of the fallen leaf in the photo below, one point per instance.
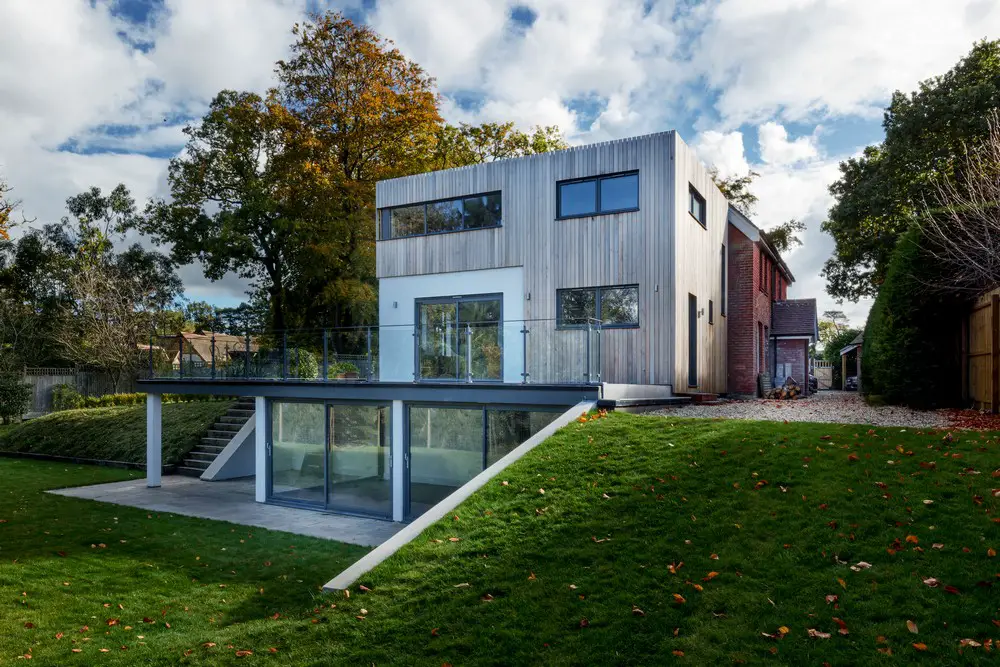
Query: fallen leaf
(584, 623)
(454, 539)
(714, 556)
(920, 646)
(816, 634)
(830, 599)
(783, 630)
(434, 632)
(885, 650)
(932, 582)
(991, 552)
(679, 654)
(912, 539)
(937, 545)
(208, 644)
(243, 654)
(679, 599)
(969, 642)
(637, 612)
(912, 627)
(710, 576)
(841, 625)
(843, 584)
(952, 590)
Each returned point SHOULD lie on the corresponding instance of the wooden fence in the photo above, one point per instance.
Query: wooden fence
(982, 353)
(44, 380)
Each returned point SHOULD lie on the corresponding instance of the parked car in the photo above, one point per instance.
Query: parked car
(852, 383)
(813, 384)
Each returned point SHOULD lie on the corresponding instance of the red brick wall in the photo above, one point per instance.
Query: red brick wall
(795, 352)
(748, 311)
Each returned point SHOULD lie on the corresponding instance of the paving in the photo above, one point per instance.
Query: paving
(233, 501)
(839, 407)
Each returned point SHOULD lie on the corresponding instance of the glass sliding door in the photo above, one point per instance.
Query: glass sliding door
(445, 329)
(450, 446)
(446, 451)
(359, 470)
(298, 452)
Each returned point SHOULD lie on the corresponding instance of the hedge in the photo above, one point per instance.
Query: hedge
(66, 397)
(15, 398)
(911, 352)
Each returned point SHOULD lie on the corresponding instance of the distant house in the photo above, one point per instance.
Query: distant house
(196, 349)
(769, 335)
(855, 344)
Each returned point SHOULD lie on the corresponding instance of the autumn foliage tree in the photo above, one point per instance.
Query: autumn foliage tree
(7, 207)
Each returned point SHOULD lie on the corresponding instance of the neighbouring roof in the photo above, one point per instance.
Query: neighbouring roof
(794, 317)
(753, 232)
(201, 345)
(856, 343)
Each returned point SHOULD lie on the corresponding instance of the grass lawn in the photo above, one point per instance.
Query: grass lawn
(113, 434)
(725, 541)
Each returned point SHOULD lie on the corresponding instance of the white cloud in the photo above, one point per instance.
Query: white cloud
(802, 59)
(776, 149)
(724, 151)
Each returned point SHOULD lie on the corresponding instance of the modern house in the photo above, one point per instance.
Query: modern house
(769, 335)
(510, 293)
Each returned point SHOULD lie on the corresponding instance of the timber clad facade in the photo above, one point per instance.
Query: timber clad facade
(552, 240)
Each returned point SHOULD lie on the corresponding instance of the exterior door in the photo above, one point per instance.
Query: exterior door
(359, 473)
(459, 338)
(692, 340)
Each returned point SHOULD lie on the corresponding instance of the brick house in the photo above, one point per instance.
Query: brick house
(769, 335)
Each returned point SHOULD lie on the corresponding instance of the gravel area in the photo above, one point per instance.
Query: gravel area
(843, 407)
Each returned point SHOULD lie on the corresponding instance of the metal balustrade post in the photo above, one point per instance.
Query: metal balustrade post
(213, 355)
(468, 352)
(368, 334)
(284, 355)
(524, 353)
(246, 356)
(599, 334)
(151, 372)
(180, 356)
(590, 329)
(416, 352)
(326, 355)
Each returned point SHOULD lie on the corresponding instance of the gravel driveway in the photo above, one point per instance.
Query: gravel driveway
(844, 407)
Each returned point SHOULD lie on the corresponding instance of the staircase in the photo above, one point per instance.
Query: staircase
(217, 438)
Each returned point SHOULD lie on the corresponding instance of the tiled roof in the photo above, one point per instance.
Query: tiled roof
(793, 317)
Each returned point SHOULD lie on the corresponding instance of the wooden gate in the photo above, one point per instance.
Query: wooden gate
(982, 353)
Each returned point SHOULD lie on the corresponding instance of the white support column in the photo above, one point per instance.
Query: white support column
(399, 472)
(260, 415)
(154, 439)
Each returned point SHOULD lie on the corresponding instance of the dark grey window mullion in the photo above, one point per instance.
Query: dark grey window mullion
(597, 194)
(597, 303)
(425, 219)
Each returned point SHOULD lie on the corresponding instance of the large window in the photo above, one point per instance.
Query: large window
(448, 446)
(600, 194)
(613, 306)
(449, 215)
(445, 330)
(696, 206)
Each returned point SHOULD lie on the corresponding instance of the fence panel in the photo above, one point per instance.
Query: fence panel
(88, 383)
(983, 352)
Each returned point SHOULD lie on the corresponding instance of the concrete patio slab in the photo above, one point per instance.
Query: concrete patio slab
(233, 501)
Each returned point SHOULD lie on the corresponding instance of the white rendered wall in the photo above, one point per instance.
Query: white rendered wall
(397, 315)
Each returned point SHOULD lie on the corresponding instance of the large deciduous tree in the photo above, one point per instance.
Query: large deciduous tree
(737, 190)
(880, 193)
(465, 144)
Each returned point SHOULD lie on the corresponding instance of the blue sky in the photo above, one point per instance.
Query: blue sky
(96, 92)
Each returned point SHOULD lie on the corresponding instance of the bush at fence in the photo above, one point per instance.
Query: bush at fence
(66, 397)
(15, 398)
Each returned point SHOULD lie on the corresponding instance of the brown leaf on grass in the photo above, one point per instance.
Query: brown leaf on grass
(952, 590)
(679, 599)
(209, 644)
(434, 632)
(59, 635)
(76, 650)
(584, 623)
(531, 576)
(843, 584)
(454, 539)
(852, 457)
(112, 621)
(29, 625)
(991, 552)
(932, 582)
(885, 650)
(968, 642)
(243, 653)
(912, 539)
(937, 545)
(912, 627)
(714, 556)
(826, 437)
(830, 599)
(637, 612)
(678, 653)
(920, 646)
(816, 634)
(710, 576)
(841, 625)
(783, 630)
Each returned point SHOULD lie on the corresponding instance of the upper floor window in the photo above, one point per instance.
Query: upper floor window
(446, 215)
(612, 306)
(696, 206)
(599, 194)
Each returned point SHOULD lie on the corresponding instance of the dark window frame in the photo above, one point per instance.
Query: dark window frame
(562, 326)
(711, 312)
(725, 280)
(385, 217)
(597, 195)
(693, 194)
(457, 300)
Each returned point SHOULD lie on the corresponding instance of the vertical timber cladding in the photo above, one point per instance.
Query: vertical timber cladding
(697, 272)
(634, 247)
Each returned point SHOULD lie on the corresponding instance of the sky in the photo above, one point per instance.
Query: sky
(97, 92)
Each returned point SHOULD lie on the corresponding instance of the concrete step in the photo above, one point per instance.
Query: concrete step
(216, 442)
(235, 412)
(197, 463)
(207, 449)
(189, 472)
(229, 419)
(195, 455)
(222, 434)
(226, 426)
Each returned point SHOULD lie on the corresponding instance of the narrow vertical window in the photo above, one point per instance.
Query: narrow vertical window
(724, 275)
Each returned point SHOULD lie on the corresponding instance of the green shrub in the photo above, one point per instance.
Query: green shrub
(339, 368)
(302, 364)
(15, 398)
(911, 353)
(66, 397)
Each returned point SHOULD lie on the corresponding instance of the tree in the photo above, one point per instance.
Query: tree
(202, 315)
(474, 144)
(879, 193)
(784, 236)
(961, 223)
(737, 190)
(229, 206)
(7, 207)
